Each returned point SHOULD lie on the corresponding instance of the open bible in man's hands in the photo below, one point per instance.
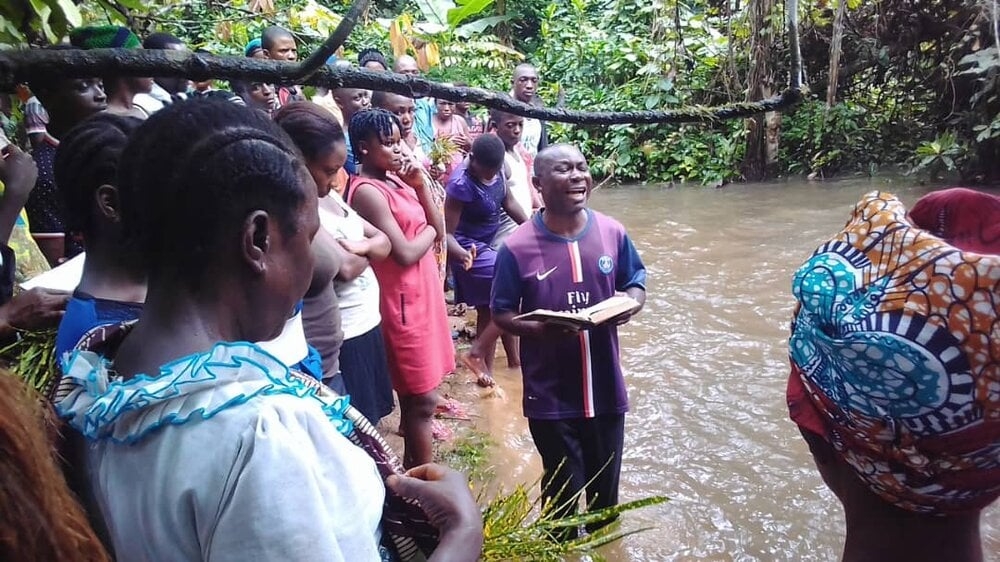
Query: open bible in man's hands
(600, 313)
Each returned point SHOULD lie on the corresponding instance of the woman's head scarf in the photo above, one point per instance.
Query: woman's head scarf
(895, 353)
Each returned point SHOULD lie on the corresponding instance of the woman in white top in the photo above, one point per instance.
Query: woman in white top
(200, 445)
(362, 355)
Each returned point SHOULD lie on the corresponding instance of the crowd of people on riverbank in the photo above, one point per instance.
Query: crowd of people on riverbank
(253, 276)
(256, 278)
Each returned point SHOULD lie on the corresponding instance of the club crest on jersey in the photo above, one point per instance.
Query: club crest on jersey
(605, 264)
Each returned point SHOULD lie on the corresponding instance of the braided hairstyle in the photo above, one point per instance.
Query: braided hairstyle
(88, 157)
(371, 124)
(371, 54)
(193, 172)
(314, 130)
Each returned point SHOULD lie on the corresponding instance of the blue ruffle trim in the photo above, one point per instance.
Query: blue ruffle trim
(101, 406)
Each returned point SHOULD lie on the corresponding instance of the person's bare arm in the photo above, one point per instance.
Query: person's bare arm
(375, 209)
(353, 261)
(37, 309)
(413, 174)
(452, 215)
(637, 293)
(378, 243)
(327, 262)
(18, 173)
(514, 209)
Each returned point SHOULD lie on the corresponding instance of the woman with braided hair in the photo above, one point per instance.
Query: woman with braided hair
(392, 193)
(199, 444)
(113, 286)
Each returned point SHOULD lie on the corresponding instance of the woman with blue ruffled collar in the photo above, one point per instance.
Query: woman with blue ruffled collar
(199, 445)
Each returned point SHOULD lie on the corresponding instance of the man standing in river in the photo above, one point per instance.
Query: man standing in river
(569, 257)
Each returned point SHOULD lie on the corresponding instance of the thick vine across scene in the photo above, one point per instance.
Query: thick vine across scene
(18, 66)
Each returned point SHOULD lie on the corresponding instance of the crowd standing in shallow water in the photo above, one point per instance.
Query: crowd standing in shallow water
(322, 232)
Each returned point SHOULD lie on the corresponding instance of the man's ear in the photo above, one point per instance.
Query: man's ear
(536, 183)
(255, 240)
(108, 202)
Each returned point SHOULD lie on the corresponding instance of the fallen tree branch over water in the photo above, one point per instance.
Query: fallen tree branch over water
(18, 66)
(24, 65)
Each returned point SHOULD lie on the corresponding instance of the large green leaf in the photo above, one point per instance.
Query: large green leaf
(435, 11)
(44, 12)
(467, 9)
(70, 12)
(480, 25)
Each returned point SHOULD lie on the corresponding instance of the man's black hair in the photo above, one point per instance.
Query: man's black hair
(160, 41)
(488, 151)
(380, 98)
(193, 172)
(271, 34)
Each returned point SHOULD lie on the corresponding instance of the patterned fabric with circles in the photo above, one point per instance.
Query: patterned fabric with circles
(896, 338)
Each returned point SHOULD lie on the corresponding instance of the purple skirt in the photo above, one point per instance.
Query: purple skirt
(472, 286)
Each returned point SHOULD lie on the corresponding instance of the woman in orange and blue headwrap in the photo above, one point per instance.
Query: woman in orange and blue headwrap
(895, 384)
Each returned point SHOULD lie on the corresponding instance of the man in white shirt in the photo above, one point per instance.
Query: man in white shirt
(524, 89)
(164, 89)
(517, 161)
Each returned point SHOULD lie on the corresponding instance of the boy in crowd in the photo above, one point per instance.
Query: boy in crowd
(569, 257)
(278, 44)
(517, 162)
(425, 110)
(68, 102)
(524, 88)
(351, 101)
(120, 90)
(165, 90)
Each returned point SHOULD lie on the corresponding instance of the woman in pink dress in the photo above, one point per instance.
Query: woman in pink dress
(390, 193)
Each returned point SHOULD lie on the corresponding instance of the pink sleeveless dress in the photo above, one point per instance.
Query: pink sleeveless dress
(414, 317)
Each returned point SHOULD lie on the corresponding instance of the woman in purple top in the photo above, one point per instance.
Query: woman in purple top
(475, 195)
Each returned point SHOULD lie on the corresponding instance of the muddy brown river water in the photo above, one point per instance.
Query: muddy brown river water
(706, 366)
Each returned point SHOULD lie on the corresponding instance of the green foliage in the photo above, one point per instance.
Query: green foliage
(470, 454)
(604, 58)
(943, 154)
(517, 526)
(37, 21)
(32, 357)
(846, 138)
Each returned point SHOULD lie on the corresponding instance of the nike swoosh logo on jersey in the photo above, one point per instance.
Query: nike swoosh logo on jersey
(541, 276)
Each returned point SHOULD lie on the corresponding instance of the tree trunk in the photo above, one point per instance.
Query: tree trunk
(763, 130)
(835, 48)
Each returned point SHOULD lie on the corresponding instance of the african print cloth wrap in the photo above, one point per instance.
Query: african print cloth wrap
(896, 340)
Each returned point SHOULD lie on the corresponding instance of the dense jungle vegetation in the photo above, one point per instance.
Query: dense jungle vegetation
(897, 85)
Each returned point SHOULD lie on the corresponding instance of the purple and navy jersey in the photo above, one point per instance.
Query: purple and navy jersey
(578, 376)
